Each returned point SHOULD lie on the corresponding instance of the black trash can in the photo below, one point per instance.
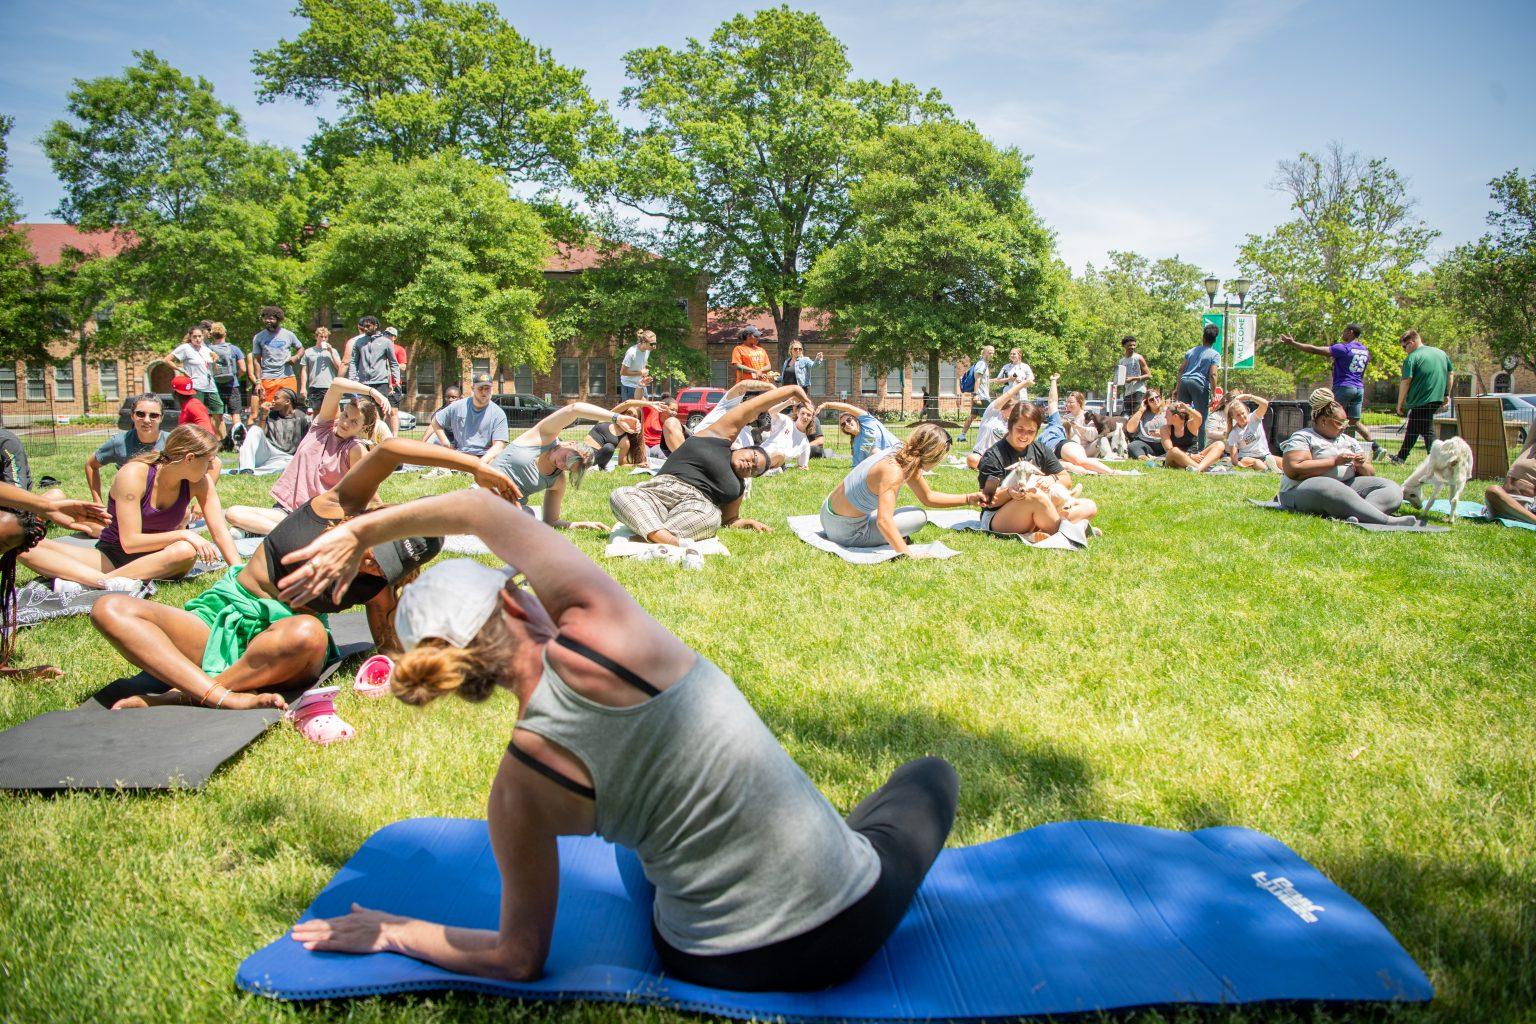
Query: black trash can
(1284, 418)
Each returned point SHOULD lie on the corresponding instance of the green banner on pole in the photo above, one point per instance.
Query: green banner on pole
(1208, 319)
(1245, 334)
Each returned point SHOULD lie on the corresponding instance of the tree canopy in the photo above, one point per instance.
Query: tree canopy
(24, 299)
(1157, 301)
(944, 253)
(1493, 281)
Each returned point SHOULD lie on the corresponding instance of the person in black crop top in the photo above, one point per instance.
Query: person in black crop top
(700, 487)
(1180, 435)
(241, 637)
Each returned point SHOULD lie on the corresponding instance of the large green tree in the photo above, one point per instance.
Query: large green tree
(1493, 281)
(24, 326)
(945, 254)
(748, 151)
(416, 77)
(212, 222)
(1350, 254)
(1157, 301)
(439, 248)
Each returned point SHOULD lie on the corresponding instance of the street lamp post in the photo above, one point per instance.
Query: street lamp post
(1240, 287)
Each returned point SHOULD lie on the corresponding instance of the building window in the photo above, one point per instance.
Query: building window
(719, 373)
(947, 379)
(869, 380)
(570, 376)
(817, 385)
(597, 376)
(479, 365)
(1501, 384)
(843, 374)
(37, 384)
(426, 378)
(893, 383)
(7, 383)
(64, 381)
(522, 380)
(106, 376)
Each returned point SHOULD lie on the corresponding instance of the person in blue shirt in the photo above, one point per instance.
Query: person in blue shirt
(870, 436)
(1197, 377)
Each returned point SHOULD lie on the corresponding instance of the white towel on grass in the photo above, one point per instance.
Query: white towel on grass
(1070, 537)
(808, 529)
(622, 543)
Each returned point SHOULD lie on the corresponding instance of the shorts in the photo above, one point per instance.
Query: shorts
(1352, 399)
(270, 388)
(232, 393)
(214, 401)
(235, 617)
(114, 554)
(396, 396)
(979, 406)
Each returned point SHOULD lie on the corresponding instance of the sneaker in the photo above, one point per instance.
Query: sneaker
(122, 585)
(961, 438)
(67, 589)
(693, 559)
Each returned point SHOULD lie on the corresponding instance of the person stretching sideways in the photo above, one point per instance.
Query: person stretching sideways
(1330, 474)
(1059, 434)
(1350, 358)
(537, 460)
(699, 489)
(861, 511)
(870, 436)
(754, 881)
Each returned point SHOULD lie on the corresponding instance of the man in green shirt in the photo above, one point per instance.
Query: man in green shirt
(1424, 391)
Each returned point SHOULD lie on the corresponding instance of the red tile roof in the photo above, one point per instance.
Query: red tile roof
(569, 258)
(50, 240)
(724, 324)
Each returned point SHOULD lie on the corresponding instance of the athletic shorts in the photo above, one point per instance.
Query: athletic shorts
(979, 407)
(115, 555)
(270, 388)
(232, 393)
(214, 401)
(1352, 399)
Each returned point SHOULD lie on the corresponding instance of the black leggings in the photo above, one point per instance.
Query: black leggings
(906, 821)
(1139, 449)
(1421, 423)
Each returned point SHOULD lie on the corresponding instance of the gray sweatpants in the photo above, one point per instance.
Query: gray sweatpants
(1370, 499)
(863, 532)
(666, 503)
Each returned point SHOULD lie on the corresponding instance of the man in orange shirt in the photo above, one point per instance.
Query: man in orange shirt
(749, 359)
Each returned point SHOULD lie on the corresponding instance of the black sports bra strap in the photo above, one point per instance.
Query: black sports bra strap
(549, 773)
(607, 663)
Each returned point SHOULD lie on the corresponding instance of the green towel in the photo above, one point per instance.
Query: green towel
(236, 617)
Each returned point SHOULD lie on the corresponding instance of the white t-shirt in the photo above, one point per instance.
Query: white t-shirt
(634, 364)
(1250, 439)
(1319, 447)
(198, 364)
(786, 438)
(1019, 371)
(983, 380)
(990, 431)
(743, 439)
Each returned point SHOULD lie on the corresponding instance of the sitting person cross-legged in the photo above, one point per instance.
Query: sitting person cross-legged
(1516, 499)
(1247, 444)
(1180, 437)
(242, 636)
(1061, 434)
(537, 460)
(755, 881)
(1029, 512)
(861, 511)
(337, 439)
(147, 505)
(474, 425)
(699, 489)
(1328, 473)
(1144, 427)
(609, 441)
(660, 428)
(280, 427)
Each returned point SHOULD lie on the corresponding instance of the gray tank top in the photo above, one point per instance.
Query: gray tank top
(521, 463)
(743, 850)
(1132, 368)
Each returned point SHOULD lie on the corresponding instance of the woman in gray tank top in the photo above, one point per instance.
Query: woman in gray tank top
(755, 880)
(537, 460)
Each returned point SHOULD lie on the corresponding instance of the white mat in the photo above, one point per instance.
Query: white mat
(808, 529)
(622, 544)
(1070, 537)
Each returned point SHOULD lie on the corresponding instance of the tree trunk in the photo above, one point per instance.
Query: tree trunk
(931, 403)
(788, 326)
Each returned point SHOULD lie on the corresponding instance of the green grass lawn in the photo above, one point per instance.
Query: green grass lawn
(1365, 698)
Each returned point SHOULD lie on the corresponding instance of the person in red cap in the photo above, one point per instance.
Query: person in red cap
(193, 411)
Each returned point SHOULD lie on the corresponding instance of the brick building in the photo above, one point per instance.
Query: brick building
(72, 386)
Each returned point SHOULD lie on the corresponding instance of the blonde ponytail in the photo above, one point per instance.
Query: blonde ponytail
(925, 447)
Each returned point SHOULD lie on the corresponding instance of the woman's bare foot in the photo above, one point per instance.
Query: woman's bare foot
(248, 701)
(129, 703)
(234, 702)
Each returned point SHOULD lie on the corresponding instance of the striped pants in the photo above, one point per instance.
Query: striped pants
(666, 503)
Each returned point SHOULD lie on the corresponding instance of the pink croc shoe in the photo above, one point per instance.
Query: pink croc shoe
(314, 715)
(374, 676)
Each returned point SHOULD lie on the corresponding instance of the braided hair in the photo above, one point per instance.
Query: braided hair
(33, 529)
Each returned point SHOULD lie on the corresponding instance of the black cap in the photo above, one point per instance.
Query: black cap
(400, 558)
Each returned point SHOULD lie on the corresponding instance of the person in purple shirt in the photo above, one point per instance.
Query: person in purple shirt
(1350, 358)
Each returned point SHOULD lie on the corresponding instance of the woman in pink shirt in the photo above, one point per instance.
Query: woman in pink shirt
(337, 441)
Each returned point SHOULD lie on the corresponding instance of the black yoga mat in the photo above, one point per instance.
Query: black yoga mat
(91, 747)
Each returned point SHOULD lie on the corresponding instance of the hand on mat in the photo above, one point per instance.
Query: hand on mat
(362, 931)
(67, 512)
(493, 479)
(330, 561)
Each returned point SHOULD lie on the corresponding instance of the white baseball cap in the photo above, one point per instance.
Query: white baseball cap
(451, 601)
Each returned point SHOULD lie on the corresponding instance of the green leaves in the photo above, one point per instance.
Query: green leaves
(1492, 282)
(1157, 301)
(441, 249)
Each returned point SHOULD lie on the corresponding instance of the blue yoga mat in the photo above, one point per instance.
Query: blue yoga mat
(1067, 917)
(1474, 510)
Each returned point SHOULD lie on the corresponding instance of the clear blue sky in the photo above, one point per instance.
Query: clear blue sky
(1154, 126)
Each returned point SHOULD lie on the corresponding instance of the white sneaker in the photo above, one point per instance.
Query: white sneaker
(122, 585)
(693, 559)
(67, 588)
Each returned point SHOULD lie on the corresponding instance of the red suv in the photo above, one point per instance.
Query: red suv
(693, 404)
